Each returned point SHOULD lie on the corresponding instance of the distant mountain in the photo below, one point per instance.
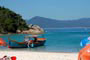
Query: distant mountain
(52, 23)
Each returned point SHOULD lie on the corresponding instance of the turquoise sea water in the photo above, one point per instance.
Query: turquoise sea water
(58, 40)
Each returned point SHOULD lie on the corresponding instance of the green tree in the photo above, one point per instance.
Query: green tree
(11, 21)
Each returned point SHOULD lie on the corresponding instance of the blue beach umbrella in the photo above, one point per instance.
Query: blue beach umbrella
(88, 42)
(85, 41)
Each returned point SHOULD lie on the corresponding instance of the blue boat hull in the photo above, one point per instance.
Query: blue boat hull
(40, 43)
(16, 45)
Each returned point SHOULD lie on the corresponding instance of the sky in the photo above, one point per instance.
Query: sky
(55, 9)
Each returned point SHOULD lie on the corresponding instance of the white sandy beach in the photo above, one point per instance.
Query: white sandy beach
(27, 55)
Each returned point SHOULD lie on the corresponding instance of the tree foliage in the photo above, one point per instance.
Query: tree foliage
(11, 21)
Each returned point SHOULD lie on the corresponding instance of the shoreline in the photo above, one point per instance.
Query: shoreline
(29, 55)
(33, 50)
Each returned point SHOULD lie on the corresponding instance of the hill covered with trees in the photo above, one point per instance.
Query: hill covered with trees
(11, 21)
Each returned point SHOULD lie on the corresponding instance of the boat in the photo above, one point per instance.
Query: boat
(31, 43)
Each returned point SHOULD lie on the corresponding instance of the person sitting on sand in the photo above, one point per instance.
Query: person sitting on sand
(5, 58)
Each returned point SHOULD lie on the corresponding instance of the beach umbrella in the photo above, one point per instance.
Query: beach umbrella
(84, 41)
(89, 38)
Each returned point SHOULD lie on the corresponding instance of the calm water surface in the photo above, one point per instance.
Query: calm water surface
(58, 40)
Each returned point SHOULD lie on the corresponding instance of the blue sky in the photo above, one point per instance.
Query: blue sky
(55, 9)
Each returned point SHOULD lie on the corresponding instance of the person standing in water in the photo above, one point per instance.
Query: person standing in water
(26, 40)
